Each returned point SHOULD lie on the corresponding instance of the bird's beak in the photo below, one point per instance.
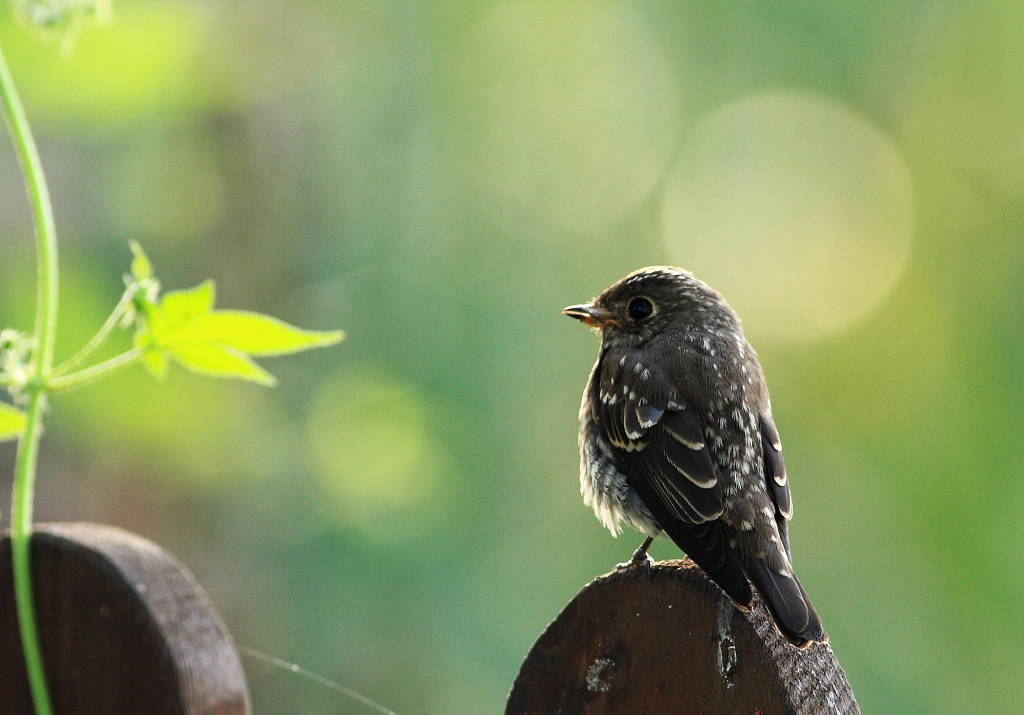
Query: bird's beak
(589, 314)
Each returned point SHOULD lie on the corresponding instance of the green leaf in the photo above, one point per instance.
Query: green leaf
(219, 361)
(155, 361)
(142, 269)
(12, 421)
(180, 307)
(185, 328)
(252, 333)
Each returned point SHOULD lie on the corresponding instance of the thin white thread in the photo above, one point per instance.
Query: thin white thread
(259, 655)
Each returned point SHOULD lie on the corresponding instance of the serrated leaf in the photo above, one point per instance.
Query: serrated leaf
(219, 361)
(12, 421)
(142, 269)
(155, 362)
(180, 307)
(252, 333)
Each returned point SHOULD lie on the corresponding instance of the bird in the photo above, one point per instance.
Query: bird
(677, 436)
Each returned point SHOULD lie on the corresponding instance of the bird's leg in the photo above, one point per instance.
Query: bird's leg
(640, 557)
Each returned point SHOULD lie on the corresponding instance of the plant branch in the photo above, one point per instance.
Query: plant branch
(97, 340)
(67, 383)
(42, 360)
(42, 214)
(21, 530)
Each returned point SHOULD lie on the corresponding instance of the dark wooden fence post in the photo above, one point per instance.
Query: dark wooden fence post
(124, 628)
(670, 641)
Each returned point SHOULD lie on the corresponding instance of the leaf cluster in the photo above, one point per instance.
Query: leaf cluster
(183, 326)
(180, 326)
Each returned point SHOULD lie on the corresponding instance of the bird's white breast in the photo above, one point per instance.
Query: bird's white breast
(604, 487)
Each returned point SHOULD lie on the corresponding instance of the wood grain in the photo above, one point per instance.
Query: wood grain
(124, 628)
(668, 640)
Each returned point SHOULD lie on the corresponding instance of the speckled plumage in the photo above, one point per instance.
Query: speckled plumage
(676, 435)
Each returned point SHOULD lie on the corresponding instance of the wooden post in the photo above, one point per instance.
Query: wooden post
(124, 628)
(668, 640)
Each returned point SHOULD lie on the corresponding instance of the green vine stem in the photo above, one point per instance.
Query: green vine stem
(96, 341)
(42, 361)
(89, 375)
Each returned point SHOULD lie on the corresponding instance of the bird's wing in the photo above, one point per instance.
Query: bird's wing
(662, 438)
(775, 476)
(659, 443)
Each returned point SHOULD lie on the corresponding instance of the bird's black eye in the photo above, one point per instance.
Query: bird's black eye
(640, 308)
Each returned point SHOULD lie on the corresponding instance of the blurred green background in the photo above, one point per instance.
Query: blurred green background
(440, 179)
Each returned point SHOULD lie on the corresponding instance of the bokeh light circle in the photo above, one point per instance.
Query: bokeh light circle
(370, 440)
(565, 113)
(797, 209)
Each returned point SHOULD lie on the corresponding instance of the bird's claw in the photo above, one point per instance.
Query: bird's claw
(646, 561)
(640, 559)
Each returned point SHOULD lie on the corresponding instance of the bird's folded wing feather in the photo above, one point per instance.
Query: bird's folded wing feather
(661, 436)
(775, 476)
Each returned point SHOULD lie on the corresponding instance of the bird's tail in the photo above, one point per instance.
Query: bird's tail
(788, 604)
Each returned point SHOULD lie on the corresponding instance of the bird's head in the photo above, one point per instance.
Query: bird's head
(653, 301)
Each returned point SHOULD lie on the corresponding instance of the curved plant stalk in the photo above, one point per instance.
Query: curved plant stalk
(41, 362)
(97, 340)
(95, 373)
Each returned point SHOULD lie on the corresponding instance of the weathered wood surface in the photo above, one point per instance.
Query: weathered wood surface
(124, 628)
(670, 641)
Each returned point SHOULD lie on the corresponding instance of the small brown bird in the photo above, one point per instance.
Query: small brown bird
(676, 435)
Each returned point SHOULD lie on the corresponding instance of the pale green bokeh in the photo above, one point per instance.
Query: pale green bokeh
(376, 458)
(564, 112)
(965, 103)
(794, 207)
(140, 67)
